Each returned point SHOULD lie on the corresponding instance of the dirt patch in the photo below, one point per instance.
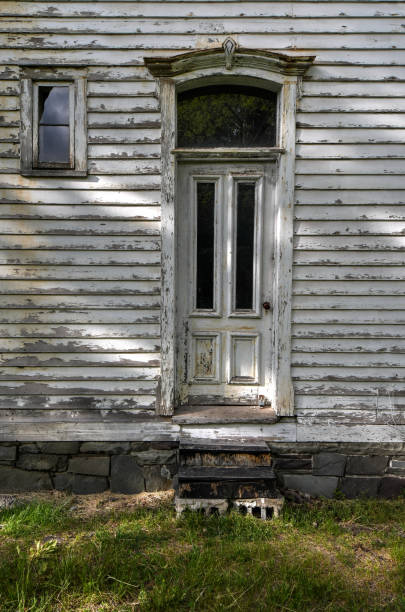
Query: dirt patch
(87, 506)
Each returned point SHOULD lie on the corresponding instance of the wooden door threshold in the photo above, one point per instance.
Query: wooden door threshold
(195, 415)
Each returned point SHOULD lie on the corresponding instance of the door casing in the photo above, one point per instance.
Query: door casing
(268, 69)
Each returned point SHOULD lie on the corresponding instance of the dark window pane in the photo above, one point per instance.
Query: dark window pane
(245, 239)
(205, 245)
(53, 143)
(53, 105)
(226, 116)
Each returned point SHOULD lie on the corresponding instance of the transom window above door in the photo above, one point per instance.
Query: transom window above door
(226, 116)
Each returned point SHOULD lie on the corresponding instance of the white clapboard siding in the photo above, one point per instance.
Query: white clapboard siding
(318, 104)
(356, 57)
(362, 242)
(325, 136)
(354, 196)
(124, 151)
(343, 316)
(207, 25)
(176, 40)
(86, 213)
(77, 345)
(353, 330)
(80, 258)
(83, 315)
(353, 151)
(339, 213)
(349, 287)
(69, 360)
(345, 166)
(121, 104)
(357, 257)
(131, 135)
(114, 183)
(53, 195)
(13, 408)
(75, 330)
(369, 345)
(96, 273)
(77, 287)
(170, 9)
(339, 273)
(83, 301)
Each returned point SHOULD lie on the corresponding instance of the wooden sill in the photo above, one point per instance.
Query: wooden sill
(225, 154)
(54, 172)
(195, 415)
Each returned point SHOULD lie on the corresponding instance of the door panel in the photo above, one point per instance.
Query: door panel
(224, 274)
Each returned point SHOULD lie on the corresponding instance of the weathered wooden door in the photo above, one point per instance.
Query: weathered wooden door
(224, 283)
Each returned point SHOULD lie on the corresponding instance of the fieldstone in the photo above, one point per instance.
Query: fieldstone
(165, 445)
(316, 486)
(28, 448)
(329, 464)
(8, 501)
(366, 464)
(8, 453)
(115, 448)
(96, 466)
(392, 486)
(55, 463)
(155, 456)
(14, 480)
(126, 475)
(140, 446)
(293, 462)
(63, 481)
(157, 478)
(397, 466)
(353, 487)
(59, 448)
(86, 485)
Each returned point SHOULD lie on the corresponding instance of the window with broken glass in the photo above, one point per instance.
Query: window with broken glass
(53, 123)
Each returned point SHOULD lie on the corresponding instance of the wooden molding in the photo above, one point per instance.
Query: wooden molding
(288, 65)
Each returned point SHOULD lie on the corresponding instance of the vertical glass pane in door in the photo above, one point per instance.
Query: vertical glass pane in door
(245, 240)
(205, 245)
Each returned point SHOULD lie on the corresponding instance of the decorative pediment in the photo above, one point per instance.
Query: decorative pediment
(230, 56)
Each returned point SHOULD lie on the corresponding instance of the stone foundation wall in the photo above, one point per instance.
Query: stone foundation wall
(353, 470)
(87, 467)
(132, 467)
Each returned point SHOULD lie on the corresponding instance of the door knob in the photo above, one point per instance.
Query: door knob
(266, 305)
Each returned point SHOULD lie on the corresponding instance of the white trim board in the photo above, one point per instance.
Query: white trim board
(160, 430)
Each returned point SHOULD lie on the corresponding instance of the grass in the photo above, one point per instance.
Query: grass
(327, 555)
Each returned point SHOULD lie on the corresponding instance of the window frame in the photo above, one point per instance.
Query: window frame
(31, 78)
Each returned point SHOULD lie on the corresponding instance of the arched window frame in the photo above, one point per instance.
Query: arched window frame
(266, 69)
